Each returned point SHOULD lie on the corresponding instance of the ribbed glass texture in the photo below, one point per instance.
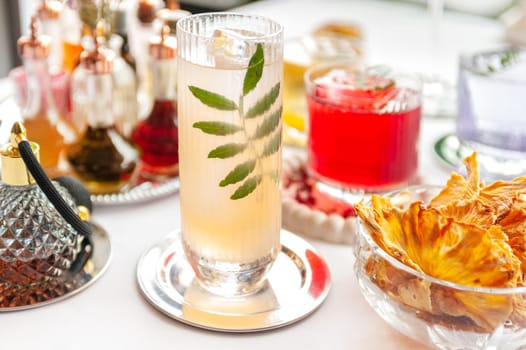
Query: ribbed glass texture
(37, 246)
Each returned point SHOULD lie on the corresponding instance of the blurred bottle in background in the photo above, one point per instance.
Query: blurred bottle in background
(71, 38)
(101, 157)
(157, 135)
(45, 125)
(121, 27)
(124, 89)
(49, 13)
(142, 30)
(171, 14)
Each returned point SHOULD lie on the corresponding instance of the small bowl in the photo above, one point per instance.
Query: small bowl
(414, 303)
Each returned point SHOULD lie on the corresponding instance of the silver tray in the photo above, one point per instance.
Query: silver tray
(297, 284)
(145, 191)
(92, 271)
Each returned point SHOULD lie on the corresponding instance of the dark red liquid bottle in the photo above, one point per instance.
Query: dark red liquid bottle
(157, 135)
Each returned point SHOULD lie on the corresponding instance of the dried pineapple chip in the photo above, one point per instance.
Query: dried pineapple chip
(501, 195)
(514, 225)
(484, 312)
(440, 247)
(470, 234)
(458, 189)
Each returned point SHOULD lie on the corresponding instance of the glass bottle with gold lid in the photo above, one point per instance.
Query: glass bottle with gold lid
(43, 122)
(37, 245)
(101, 157)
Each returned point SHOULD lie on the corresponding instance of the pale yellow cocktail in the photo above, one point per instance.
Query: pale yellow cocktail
(229, 110)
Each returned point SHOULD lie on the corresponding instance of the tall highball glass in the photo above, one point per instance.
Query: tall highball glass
(229, 110)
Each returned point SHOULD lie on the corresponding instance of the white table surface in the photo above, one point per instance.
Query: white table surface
(112, 314)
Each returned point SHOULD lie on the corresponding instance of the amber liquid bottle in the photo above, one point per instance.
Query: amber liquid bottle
(157, 135)
(44, 124)
(101, 158)
(71, 35)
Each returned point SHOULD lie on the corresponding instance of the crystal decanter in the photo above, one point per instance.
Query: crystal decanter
(37, 245)
(101, 157)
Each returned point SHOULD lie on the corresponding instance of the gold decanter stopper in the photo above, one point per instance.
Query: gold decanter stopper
(14, 170)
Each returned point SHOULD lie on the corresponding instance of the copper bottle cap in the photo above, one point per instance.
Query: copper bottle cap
(171, 16)
(14, 170)
(49, 9)
(172, 4)
(146, 11)
(163, 47)
(100, 59)
(35, 45)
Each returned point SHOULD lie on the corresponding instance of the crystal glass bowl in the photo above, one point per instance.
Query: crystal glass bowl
(436, 312)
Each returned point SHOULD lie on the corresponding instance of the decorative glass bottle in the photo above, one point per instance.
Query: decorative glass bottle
(156, 136)
(43, 122)
(71, 35)
(101, 158)
(171, 14)
(144, 29)
(49, 12)
(124, 90)
(120, 26)
(37, 245)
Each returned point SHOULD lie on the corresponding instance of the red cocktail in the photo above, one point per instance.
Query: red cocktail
(363, 128)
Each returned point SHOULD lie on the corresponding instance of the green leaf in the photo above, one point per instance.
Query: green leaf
(239, 173)
(228, 150)
(268, 125)
(217, 128)
(246, 188)
(273, 145)
(254, 71)
(211, 99)
(264, 104)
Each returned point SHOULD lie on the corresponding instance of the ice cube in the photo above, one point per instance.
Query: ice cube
(232, 48)
(357, 89)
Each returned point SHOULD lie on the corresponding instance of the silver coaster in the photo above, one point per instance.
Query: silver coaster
(297, 284)
(143, 192)
(92, 271)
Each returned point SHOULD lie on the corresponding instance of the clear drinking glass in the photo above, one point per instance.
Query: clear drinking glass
(491, 91)
(229, 110)
(364, 127)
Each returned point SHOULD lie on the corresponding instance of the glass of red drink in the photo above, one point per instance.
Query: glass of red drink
(363, 127)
